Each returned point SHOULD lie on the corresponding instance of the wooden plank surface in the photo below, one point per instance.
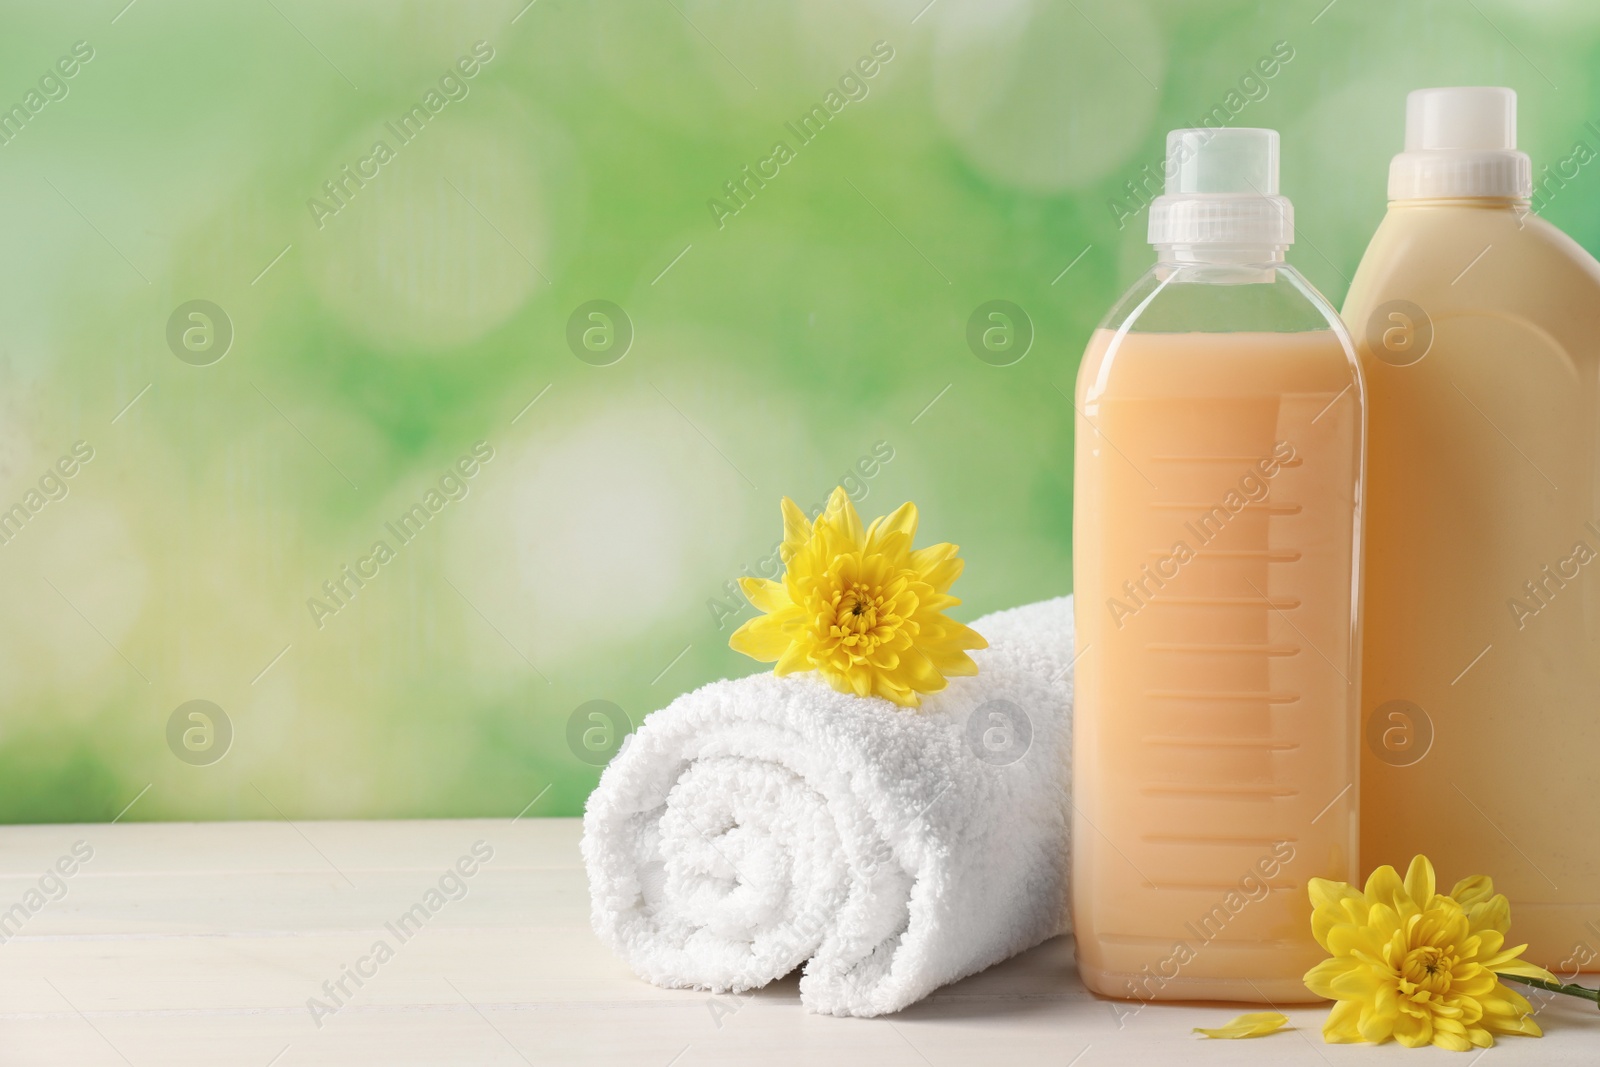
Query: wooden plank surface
(177, 943)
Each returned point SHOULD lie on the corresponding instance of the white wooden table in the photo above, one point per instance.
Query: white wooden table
(202, 944)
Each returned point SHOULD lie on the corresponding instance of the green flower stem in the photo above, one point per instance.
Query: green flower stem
(1555, 987)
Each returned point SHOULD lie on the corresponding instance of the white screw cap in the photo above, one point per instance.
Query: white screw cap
(1461, 142)
(1222, 189)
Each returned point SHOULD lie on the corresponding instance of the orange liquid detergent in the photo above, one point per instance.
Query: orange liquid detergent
(1216, 735)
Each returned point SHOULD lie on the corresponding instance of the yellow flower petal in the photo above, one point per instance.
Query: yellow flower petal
(1507, 963)
(1347, 940)
(795, 658)
(842, 516)
(1253, 1024)
(924, 560)
(1384, 887)
(796, 527)
(1420, 881)
(1523, 1024)
(942, 575)
(903, 520)
(1475, 890)
(1414, 1031)
(764, 595)
(1379, 1013)
(1320, 978)
(761, 638)
(1342, 1026)
(1491, 914)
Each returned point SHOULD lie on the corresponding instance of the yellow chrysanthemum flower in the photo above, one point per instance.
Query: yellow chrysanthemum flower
(1416, 965)
(860, 606)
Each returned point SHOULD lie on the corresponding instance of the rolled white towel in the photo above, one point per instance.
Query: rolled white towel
(762, 823)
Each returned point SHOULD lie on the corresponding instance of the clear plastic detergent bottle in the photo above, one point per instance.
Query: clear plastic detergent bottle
(1217, 519)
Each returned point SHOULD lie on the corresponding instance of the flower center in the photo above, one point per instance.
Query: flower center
(856, 612)
(1428, 969)
(862, 620)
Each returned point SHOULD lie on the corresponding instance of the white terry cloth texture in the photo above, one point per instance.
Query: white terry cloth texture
(762, 823)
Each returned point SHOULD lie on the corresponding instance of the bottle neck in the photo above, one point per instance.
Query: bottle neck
(1218, 255)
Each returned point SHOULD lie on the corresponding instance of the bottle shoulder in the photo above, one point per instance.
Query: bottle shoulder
(1451, 257)
(1183, 334)
(1562, 244)
(1471, 279)
(1201, 298)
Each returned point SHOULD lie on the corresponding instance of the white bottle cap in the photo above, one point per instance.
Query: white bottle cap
(1222, 189)
(1461, 142)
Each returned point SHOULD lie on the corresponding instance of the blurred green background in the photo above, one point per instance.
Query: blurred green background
(358, 341)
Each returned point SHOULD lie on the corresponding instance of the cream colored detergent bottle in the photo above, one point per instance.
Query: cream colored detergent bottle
(1478, 327)
(1215, 559)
